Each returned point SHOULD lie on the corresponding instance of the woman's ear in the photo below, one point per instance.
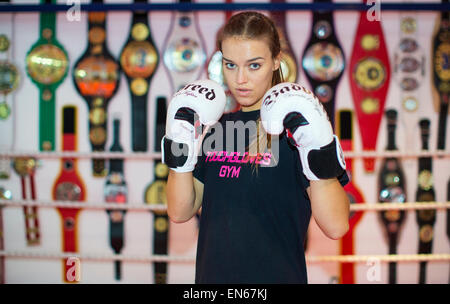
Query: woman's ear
(277, 61)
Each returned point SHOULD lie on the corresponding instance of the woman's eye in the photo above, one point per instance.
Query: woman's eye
(230, 65)
(255, 66)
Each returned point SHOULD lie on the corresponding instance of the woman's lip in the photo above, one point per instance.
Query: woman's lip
(243, 92)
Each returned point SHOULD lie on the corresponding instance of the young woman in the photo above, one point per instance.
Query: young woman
(256, 200)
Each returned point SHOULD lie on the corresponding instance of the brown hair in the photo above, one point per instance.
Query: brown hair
(254, 25)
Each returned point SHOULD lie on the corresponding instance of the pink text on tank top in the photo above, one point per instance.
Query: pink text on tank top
(236, 157)
(229, 171)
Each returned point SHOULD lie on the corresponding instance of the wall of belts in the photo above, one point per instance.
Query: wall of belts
(84, 95)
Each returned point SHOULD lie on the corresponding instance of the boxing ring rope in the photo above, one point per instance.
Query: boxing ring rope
(423, 6)
(190, 259)
(432, 257)
(149, 156)
(139, 206)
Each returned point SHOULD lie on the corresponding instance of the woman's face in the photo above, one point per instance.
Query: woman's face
(248, 67)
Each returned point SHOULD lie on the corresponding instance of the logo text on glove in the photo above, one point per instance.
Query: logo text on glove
(285, 89)
(209, 93)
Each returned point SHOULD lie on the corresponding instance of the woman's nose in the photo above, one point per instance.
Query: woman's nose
(241, 76)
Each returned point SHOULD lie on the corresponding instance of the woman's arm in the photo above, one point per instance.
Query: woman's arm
(184, 196)
(330, 207)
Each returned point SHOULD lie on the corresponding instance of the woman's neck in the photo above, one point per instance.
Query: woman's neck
(253, 107)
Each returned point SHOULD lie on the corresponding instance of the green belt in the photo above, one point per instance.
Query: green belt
(47, 74)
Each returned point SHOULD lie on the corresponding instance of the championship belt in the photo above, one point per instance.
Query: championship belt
(96, 76)
(324, 60)
(215, 72)
(47, 65)
(25, 168)
(155, 194)
(116, 191)
(345, 124)
(425, 193)
(138, 60)
(409, 72)
(289, 66)
(9, 80)
(4, 195)
(369, 80)
(441, 73)
(68, 186)
(392, 188)
(184, 49)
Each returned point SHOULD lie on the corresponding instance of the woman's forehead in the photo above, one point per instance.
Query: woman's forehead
(245, 48)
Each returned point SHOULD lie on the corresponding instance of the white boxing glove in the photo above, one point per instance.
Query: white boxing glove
(199, 103)
(294, 108)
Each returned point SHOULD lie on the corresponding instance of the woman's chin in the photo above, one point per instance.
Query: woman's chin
(250, 106)
(245, 102)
